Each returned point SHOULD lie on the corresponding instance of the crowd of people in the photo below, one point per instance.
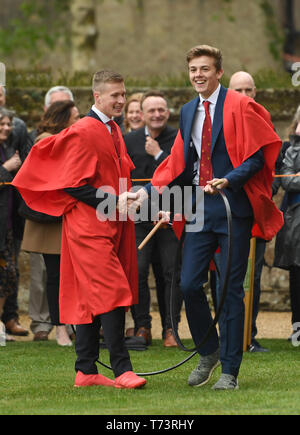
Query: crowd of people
(153, 147)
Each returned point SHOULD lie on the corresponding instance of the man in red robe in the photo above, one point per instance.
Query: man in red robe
(226, 141)
(73, 174)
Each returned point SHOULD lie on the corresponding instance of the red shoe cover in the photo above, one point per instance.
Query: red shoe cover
(82, 380)
(129, 380)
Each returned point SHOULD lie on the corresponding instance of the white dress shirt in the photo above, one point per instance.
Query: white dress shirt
(198, 126)
(105, 119)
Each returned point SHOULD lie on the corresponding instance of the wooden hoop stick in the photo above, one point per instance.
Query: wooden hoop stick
(151, 234)
(286, 175)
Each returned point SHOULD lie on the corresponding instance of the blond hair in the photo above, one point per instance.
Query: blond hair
(136, 98)
(105, 76)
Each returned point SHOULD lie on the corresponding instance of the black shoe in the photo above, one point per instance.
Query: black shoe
(131, 343)
(256, 347)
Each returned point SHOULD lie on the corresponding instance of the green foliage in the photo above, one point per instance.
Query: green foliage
(37, 379)
(46, 77)
(225, 9)
(273, 29)
(40, 25)
(268, 78)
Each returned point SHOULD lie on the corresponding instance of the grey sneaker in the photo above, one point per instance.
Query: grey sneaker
(226, 382)
(202, 374)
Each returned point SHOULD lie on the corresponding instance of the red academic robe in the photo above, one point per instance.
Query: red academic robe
(247, 128)
(98, 259)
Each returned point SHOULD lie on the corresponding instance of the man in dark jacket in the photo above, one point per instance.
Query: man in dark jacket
(148, 147)
(18, 140)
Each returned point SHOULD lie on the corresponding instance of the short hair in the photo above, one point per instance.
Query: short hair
(153, 93)
(206, 50)
(57, 89)
(56, 117)
(106, 76)
(5, 112)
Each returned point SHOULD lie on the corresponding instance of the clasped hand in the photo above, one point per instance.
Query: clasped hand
(130, 202)
(14, 163)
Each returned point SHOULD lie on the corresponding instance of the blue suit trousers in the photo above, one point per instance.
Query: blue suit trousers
(199, 249)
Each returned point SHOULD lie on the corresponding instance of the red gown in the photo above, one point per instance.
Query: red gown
(247, 128)
(98, 259)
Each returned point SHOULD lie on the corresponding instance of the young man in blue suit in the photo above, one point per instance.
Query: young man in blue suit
(222, 143)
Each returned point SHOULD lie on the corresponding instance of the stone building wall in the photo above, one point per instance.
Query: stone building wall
(154, 39)
(150, 37)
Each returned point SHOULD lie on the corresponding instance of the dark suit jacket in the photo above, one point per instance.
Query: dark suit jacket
(145, 165)
(222, 166)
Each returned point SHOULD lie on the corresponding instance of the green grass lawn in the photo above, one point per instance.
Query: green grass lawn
(38, 378)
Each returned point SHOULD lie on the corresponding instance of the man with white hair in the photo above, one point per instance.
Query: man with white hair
(57, 93)
(38, 303)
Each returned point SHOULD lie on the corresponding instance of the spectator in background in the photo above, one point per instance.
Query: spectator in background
(41, 325)
(244, 83)
(45, 238)
(56, 93)
(133, 118)
(19, 140)
(287, 242)
(148, 147)
(132, 121)
(10, 231)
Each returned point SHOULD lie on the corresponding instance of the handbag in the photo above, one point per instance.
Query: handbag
(36, 216)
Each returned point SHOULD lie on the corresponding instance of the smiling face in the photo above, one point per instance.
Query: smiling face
(134, 115)
(5, 128)
(204, 76)
(110, 98)
(155, 113)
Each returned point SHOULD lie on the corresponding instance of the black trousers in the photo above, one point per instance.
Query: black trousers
(11, 307)
(295, 293)
(87, 343)
(259, 262)
(163, 245)
(52, 262)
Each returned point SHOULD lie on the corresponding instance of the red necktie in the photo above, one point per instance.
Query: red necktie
(115, 136)
(205, 160)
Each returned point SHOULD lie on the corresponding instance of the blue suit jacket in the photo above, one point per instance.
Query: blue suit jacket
(222, 166)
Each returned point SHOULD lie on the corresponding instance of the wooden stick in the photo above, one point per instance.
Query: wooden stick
(151, 234)
(286, 175)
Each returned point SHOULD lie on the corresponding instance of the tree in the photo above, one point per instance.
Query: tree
(84, 34)
(44, 24)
